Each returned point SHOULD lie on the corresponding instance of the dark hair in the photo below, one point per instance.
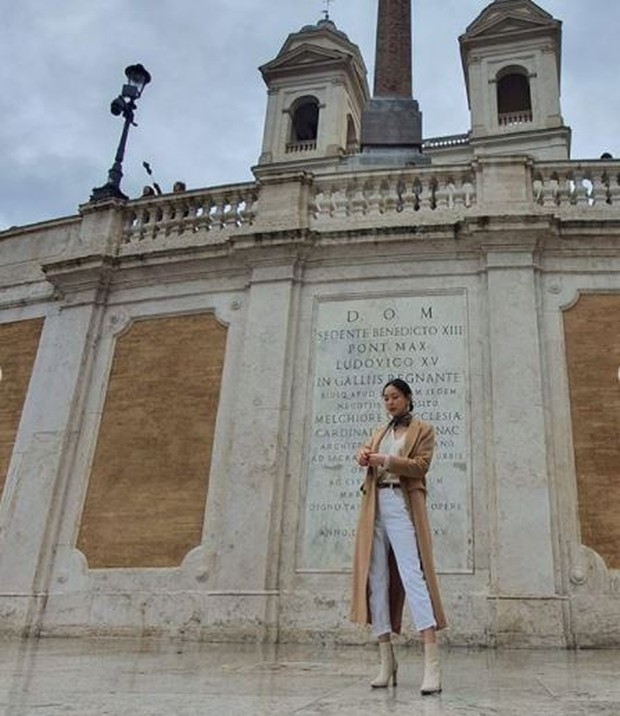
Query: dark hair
(402, 387)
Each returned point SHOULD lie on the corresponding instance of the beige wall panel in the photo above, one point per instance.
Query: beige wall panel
(148, 485)
(18, 347)
(592, 330)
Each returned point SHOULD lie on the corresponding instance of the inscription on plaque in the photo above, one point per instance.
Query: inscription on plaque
(359, 345)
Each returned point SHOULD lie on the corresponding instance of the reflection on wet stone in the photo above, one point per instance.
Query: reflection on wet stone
(142, 677)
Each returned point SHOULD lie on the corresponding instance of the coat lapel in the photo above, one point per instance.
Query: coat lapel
(411, 437)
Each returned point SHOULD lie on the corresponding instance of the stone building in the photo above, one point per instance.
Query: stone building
(186, 376)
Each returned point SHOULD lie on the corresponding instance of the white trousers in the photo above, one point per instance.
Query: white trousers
(393, 527)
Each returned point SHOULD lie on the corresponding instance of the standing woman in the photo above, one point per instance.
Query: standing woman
(393, 553)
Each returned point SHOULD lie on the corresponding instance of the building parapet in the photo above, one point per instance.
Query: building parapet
(372, 197)
(415, 190)
(593, 184)
(214, 209)
(392, 195)
(451, 140)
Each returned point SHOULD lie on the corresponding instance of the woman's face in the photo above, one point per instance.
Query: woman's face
(395, 402)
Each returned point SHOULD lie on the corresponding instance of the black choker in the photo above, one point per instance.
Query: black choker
(398, 420)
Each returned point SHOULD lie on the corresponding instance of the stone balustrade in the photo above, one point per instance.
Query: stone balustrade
(190, 213)
(420, 191)
(594, 184)
(509, 119)
(297, 147)
(358, 198)
(450, 140)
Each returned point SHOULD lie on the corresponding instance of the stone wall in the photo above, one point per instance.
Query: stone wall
(251, 328)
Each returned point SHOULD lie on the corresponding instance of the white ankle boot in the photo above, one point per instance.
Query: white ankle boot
(388, 667)
(431, 683)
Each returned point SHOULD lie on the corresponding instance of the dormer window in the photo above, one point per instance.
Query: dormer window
(304, 125)
(514, 100)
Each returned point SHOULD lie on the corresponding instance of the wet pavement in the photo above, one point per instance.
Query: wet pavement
(89, 677)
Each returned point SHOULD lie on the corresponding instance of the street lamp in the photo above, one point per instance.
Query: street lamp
(137, 79)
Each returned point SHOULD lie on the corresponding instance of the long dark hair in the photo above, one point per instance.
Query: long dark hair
(403, 387)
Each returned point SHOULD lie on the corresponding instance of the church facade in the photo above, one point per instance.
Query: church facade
(185, 377)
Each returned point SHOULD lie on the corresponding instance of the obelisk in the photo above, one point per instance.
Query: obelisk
(393, 49)
(392, 119)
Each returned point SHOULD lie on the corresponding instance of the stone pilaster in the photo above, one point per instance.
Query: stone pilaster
(248, 546)
(525, 606)
(283, 202)
(35, 488)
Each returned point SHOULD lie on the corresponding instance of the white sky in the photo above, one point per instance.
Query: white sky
(201, 118)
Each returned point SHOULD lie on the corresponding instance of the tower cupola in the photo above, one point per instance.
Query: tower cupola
(317, 90)
(511, 55)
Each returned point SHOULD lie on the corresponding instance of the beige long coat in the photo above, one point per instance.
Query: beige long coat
(411, 466)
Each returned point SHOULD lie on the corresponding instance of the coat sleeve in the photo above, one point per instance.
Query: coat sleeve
(417, 463)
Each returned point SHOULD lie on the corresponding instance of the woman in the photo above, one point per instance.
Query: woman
(393, 553)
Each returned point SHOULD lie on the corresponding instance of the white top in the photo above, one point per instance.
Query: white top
(390, 445)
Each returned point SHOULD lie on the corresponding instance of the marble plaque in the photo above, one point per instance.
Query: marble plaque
(358, 345)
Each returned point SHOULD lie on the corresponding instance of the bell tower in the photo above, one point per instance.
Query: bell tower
(511, 55)
(317, 89)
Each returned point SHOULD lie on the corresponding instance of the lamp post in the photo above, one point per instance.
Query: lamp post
(124, 104)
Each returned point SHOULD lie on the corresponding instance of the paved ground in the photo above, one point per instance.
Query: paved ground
(89, 677)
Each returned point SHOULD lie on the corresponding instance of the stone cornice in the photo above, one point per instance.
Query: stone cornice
(76, 275)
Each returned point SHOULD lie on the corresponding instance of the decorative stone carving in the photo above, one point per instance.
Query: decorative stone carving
(119, 321)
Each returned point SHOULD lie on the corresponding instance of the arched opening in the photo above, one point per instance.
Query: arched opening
(304, 124)
(514, 99)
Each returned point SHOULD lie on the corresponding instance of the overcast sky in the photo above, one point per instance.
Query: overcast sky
(201, 118)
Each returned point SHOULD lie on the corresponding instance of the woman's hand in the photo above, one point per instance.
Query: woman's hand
(361, 458)
(377, 459)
